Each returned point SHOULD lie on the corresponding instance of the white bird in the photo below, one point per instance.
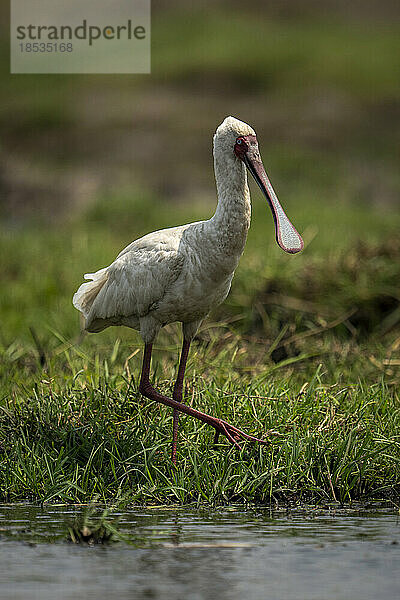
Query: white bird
(181, 273)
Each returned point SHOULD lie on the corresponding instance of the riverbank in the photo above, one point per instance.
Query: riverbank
(304, 352)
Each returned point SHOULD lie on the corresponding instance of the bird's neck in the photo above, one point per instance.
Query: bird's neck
(232, 216)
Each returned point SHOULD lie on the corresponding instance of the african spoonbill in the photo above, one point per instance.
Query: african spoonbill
(181, 273)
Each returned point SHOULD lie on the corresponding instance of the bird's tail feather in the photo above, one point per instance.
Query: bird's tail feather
(85, 296)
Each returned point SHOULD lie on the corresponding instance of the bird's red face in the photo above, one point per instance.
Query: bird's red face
(246, 149)
(242, 145)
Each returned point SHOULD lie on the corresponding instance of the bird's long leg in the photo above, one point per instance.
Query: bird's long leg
(229, 431)
(177, 395)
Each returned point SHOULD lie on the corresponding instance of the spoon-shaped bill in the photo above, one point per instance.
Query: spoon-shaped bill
(286, 235)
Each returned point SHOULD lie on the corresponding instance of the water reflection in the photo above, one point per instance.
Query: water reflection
(228, 554)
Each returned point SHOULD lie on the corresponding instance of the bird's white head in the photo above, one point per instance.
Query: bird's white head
(236, 141)
(227, 133)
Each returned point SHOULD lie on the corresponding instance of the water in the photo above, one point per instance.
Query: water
(199, 555)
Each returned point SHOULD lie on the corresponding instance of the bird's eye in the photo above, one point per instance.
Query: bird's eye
(239, 141)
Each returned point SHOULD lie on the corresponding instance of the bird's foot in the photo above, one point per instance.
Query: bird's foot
(232, 433)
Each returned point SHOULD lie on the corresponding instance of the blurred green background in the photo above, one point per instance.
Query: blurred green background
(90, 162)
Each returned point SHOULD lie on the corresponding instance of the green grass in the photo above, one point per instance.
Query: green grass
(95, 436)
(304, 352)
(91, 528)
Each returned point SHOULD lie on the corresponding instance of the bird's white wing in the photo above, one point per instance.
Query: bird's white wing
(135, 282)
